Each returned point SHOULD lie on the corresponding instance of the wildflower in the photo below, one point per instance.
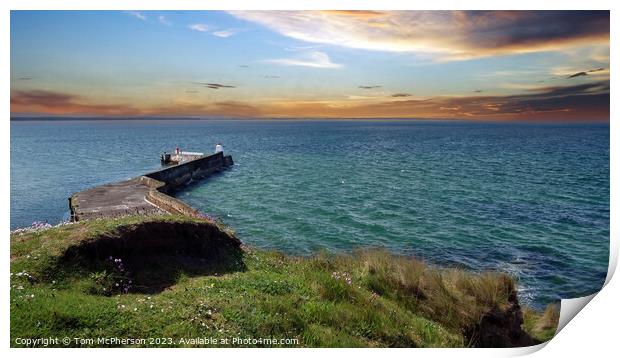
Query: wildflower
(345, 276)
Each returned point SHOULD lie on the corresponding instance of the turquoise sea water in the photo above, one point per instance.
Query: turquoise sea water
(528, 199)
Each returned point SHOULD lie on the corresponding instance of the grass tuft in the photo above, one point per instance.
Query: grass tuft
(542, 326)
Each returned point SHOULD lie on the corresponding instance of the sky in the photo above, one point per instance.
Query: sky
(478, 65)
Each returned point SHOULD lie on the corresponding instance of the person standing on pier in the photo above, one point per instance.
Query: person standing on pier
(219, 148)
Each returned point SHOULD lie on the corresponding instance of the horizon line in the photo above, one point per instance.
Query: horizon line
(18, 118)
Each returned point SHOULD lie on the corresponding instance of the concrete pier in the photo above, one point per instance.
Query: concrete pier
(146, 194)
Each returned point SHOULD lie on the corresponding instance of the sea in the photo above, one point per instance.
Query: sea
(529, 199)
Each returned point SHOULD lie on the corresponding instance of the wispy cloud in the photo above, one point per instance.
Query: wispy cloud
(200, 27)
(226, 33)
(52, 102)
(314, 59)
(369, 87)
(213, 85)
(585, 73)
(138, 15)
(401, 95)
(444, 35)
(355, 13)
(163, 20)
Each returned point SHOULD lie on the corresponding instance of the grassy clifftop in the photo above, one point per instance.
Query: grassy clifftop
(174, 281)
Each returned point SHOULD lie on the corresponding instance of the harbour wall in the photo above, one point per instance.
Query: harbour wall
(146, 194)
(181, 174)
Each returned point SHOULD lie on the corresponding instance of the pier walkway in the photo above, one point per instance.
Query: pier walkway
(115, 199)
(146, 194)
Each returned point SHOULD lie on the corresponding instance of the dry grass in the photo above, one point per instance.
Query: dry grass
(455, 298)
(549, 319)
(542, 326)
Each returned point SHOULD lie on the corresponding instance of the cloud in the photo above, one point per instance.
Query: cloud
(226, 33)
(162, 20)
(555, 102)
(578, 74)
(586, 88)
(583, 102)
(223, 33)
(354, 13)
(199, 27)
(137, 15)
(41, 97)
(445, 35)
(585, 73)
(213, 85)
(58, 103)
(587, 102)
(370, 98)
(449, 108)
(369, 87)
(314, 59)
(401, 95)
(51, 102)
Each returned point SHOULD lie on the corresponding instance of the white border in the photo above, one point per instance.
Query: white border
(307, 5)
(592, 332)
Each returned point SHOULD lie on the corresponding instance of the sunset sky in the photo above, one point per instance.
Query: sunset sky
(519, 65)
